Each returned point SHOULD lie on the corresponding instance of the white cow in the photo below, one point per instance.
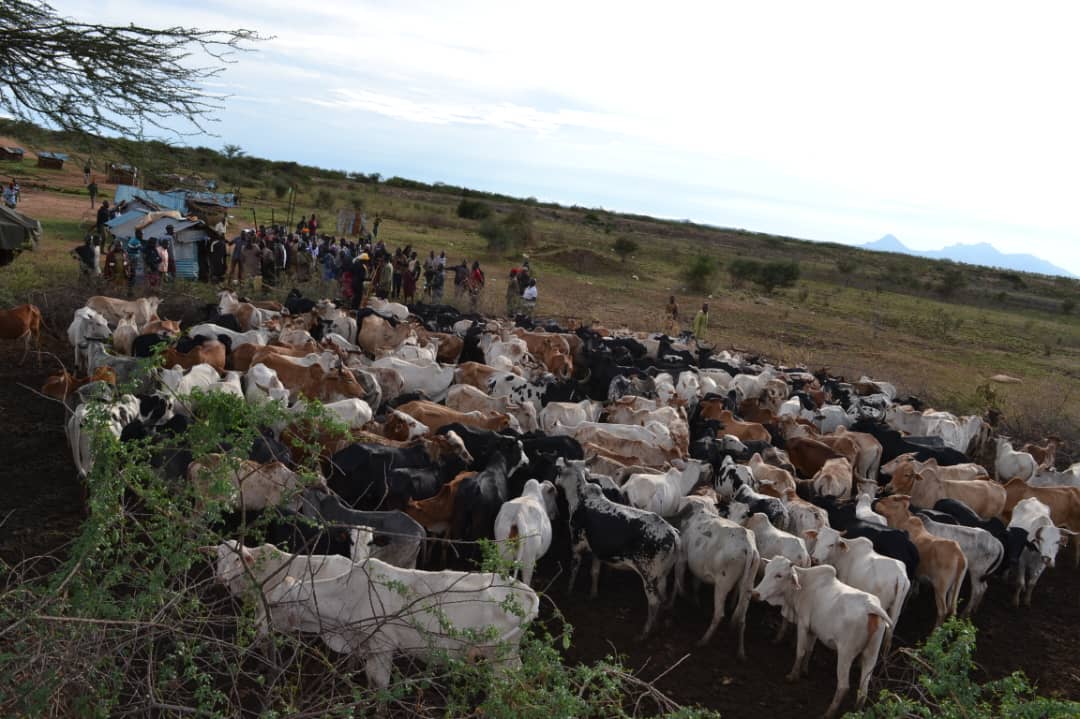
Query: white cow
(144, 309)
(721, 553)
(663, 493)
(849, 620)
(831, 416)
(523, 527)
(1033, 516)
(569, 414)
(1053, 478)
(261, 385)
(834, 478)
(1009, 463)
(466, 398)
(858, 565)
(248, 316)
(252, 486)
(386, 308)
(251, 337)
(353, 413)
(245, 571)
(116, 416)
(408, 611)
(982, 551)
(125, 333)
(773, 542)
(432, 379)
(864, 510)
(87, 326)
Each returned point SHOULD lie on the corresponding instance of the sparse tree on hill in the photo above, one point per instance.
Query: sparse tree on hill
(232, 151)
(92, 77)
(700, 272)
(623, 247)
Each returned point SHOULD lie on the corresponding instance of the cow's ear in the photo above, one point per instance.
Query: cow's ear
(843, 546)
(247, 556)
(795, 578)
(560, 463)
(1068, 532)
(810, 534)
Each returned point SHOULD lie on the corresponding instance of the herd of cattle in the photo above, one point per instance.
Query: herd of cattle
(644, 452)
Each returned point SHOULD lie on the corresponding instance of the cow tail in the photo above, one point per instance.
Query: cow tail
(996, 565)
(746, 583)
(954, 598)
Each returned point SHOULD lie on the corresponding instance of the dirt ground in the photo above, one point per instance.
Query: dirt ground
(41, 510)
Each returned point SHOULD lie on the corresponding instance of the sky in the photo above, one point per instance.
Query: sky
(839, 121)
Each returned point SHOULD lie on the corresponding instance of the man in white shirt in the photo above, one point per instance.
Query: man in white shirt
(529, 297)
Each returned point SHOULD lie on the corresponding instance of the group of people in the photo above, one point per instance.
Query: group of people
(698, 327)
(521, 291)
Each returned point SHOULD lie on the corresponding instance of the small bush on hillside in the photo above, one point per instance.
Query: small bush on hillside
(952, 280)
(473, 209)
(845, 265)
(767, 275)
(700, 272)
(514, 231)
(1068, 305)
(280, 189)
(943, 686)
(324, 199)
(623, 247)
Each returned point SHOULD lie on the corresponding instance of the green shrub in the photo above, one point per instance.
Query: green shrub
(324, 199)
(767, 275)
(846, 265)
(473, 209)
(1068, 305)
(624, 246)
(700, 272)
(515, 231)
(944, 688)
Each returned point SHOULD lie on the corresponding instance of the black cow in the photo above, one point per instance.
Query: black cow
(622, 537)
(299, 534)
(297, 304)
(480, 496)
(360, 473)
(397, 535)
(894, 444)
(144, 344)
(893, 543)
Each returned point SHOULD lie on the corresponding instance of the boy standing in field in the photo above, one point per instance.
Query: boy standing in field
(92, 188)
(701, 322)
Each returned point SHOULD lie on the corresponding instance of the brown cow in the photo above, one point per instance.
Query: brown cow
(313, 381)
(436, 514)
(476, 374)
(986, 498)
(1045, 454)
(809, 455)
(745, 431)
(210, 352)
(22, 322)
(59, 386)
(242, 357)
(436, 416)
(1064, 504)
(942, 561)
(161, 327)
(551, 349)
(449, 345)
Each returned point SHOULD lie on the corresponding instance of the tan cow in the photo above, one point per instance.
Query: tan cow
(476, 374)
(809, 455)
(376, 333)
(253, 486)
(315, 382)
(242, 357)
(745, 431)
(161, 327)
(437, 415)
(833, 479)
(59, 386)
(143, 309)
(941, 561)
(448, 346)
(986, 498)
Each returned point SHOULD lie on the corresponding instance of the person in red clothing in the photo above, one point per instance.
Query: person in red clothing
(475, 286)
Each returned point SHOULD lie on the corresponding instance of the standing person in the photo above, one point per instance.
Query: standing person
(170, 252)
(461, 278)
(385, 277)
(476, 286)
(250, 260)
(152, 264)
(102, 217)
(359, 276)
(116, 265)
(398, 267)
(92, 188)
(86, 176)
(313, 225)
(512, 294)
(408, 279)
(529, 298)
(134, 252)
(437, 281)
(701, 322)
(266, 264)
(429, 273)
(671, 317)
(217, 259)
(375, 227)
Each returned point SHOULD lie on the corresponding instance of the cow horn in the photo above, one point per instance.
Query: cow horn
(588, 376)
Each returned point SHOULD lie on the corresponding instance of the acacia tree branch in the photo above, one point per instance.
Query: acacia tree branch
(84, 77)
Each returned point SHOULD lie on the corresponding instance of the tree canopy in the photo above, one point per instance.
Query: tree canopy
(85, 76)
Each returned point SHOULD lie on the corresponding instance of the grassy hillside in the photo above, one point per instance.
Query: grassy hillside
(937, 328)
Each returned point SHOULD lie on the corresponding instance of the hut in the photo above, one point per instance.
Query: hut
(123, 174)
(186, 235)
(11, 154)
(51, 160)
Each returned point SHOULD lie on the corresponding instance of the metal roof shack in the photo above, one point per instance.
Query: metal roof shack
(10, 153)
(51, 160)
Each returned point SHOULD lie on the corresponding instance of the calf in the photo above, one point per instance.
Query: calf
(662, 493)
(941, 561)
(858, 565)
(1064, 504)
(773, 542)
(621, 537)
(436, 416)
(1008, 463)
(22, 322)
(523, 527)
(720, 553)
(851, 621)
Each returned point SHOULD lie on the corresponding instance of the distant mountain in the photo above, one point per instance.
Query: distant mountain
(981, 253)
